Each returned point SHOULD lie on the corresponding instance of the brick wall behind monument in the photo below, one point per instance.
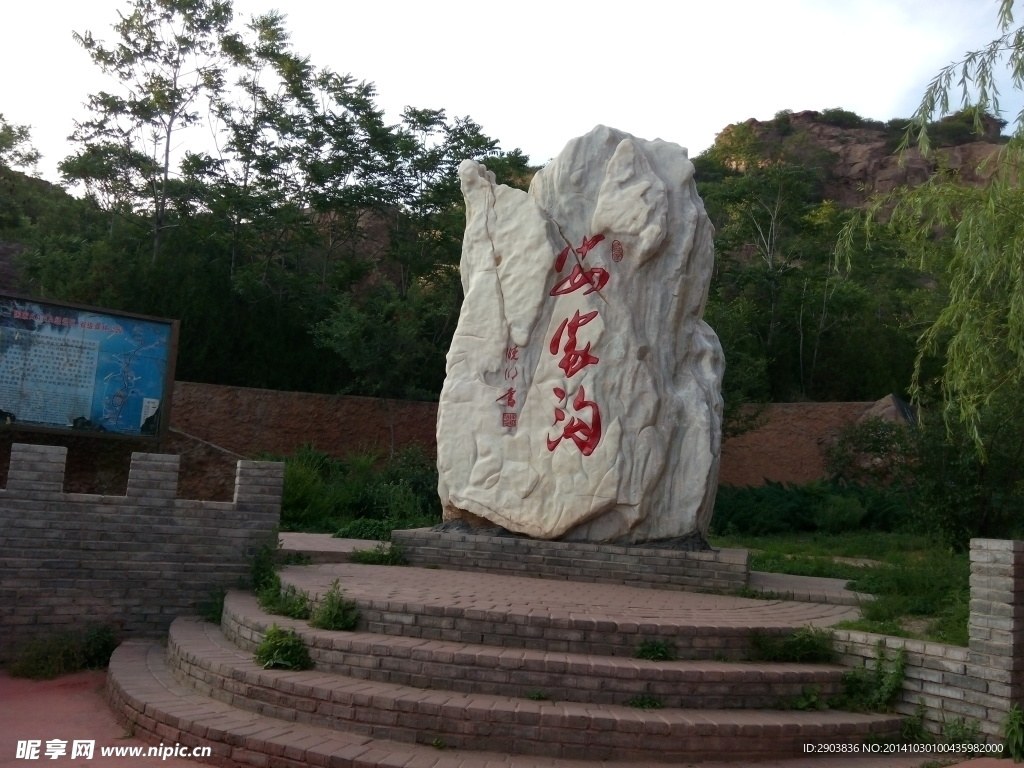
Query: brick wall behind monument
(791, 446)
(237, 422)
(250, 421)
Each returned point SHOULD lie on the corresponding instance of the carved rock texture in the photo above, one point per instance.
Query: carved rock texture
(583, 390)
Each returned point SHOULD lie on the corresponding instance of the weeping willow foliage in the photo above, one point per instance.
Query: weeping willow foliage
(970, 237)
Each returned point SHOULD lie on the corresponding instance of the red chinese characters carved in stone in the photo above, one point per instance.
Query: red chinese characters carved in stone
(595, 278)
(585, 436)
(509, 420)
(509, 398)
(575, 359)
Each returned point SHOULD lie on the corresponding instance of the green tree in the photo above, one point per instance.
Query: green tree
(16, 150)
(166, 59)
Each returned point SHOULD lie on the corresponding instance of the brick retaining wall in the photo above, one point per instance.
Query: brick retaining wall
(726, 570)
(135, 561)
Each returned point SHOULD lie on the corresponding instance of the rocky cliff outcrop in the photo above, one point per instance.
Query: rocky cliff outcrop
(861, 161)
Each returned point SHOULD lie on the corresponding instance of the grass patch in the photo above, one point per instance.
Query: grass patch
(283, 600)
(645, 702)
(876, 689)
(282, 649)
(361, 496)
(380, 530)
(382, 554)
(334, 611)
(64, 652)
(655, 650)
(212, 608)
(808, 645)
(914, 578)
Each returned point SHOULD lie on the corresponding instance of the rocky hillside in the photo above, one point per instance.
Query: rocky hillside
(858, 155)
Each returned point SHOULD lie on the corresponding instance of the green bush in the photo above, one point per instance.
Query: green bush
(380, 530)
(644, 702)
(382, 554)
(334, 611)
(655, 650)
(64, 652)
(282, 649)
(831, 507)
(322, 494)
(283, 600)
(874, 690)
(212, 608)
(841, 118)
(837, 514)
(808, 645)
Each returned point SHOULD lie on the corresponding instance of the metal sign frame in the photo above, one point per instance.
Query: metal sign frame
(97, 330)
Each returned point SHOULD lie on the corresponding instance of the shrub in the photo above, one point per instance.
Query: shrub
(809, 645)
(841, 118)
(263, 569)
(655, 650)
(644, 702)
(831, 507)
(382, 554)
(876, 689)
(321, 493)
(334, 611)
(212, 609)
(380, 530)
(64, 652)
(283, 600)
(282, 649)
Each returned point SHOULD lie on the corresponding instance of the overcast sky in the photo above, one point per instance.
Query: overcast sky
(538, 72)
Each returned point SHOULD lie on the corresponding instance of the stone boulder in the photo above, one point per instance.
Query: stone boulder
(583, 390)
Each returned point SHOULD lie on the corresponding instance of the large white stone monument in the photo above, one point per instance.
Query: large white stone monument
(583, 390)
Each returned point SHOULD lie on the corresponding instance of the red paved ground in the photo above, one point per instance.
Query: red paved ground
(68, 708)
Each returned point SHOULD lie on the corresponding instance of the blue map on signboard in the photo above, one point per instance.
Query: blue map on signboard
(66, 367)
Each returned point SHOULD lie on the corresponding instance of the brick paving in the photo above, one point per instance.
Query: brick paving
(482, 592)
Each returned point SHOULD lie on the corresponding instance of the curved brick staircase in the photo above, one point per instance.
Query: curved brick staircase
(447, 667)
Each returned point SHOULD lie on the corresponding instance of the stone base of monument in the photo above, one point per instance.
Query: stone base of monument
(725, 570)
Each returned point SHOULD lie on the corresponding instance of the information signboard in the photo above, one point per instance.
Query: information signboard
(71, 367)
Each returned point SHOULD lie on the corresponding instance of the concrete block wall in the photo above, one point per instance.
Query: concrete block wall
(135, 561)
(726, 570)
(978, 683)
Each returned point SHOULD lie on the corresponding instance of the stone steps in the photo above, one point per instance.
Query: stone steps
(557, 617)
(409, 679)
(158, 710)
(581, 678)
(389, 713)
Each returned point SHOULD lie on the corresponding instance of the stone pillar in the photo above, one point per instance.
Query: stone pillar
(37, 471)
(154, 476)
(995, 659)
(259, 485)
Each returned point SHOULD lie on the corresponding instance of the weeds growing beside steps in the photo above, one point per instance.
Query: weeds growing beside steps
(334, 611)
(282, 649)
(64, 652)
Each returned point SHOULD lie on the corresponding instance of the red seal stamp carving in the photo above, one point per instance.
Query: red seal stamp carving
(616, 250)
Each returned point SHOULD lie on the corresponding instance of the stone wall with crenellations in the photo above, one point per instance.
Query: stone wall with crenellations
(134, 561)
